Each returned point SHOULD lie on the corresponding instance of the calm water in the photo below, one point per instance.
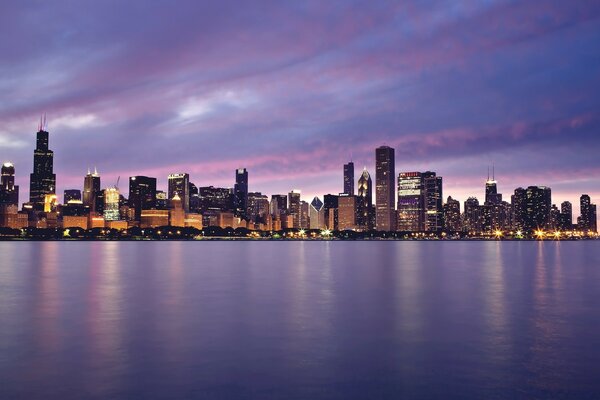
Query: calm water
(299, 320)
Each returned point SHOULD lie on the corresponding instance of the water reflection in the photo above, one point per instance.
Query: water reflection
(299, 320)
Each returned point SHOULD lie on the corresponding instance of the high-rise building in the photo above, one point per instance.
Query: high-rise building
(71, 195)
(491, 190)
(294, 207)
(215, 198)
(519, 209)
(42, 180)
(472, 216)
(365, 217)
(385, 174)
(194, 198)
(347, 206)
(566, 216)
(317, 214)
(538, 201)
(587, 221)
(258, 207)
(411, 198)
(142, 194)
(9, 192)
(304, 215)
(111, 204)
(91, 190)
(240, 192)
(452, 215)
(330, 205)
(349, 178)
(278, 206)
(179, 184)
(434, 212)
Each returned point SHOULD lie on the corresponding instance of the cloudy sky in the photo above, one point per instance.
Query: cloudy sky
(292, 90)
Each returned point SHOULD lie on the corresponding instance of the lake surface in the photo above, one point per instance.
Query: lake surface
(299, 320)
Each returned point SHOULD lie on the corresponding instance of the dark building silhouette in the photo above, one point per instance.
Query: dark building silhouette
(349, 178)
(9, 192)
(452, 215)
(330, 205)
(71, 195)
(385, 175)
(258, 207)
(566, 216)
(215, 198)
(240, 192)
(278, 205)
(365, 217)
(434, 212)
(587, 221)
(91, 191)
(533, 211)
(179, 184)
(43, 180)
(294, 207)
(142, 194)
(472, 216)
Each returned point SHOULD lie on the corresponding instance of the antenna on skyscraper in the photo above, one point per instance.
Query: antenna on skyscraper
(488, 172)
(118, 179)
(493, 172)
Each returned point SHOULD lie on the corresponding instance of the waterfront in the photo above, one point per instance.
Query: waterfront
(320, 319)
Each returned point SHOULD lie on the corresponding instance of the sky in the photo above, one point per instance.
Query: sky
(293, 90)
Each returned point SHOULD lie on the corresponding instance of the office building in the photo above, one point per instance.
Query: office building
(240, 192)
(9, 192)
(330, 205)
(566, 216)
(365, 217)
(411, 212)
(91, 191)
(142, 194)
(452, 220)
(317, 214)
(215, 198)
(472, 216)
(434, 212)
(587, 221)
(179, 184)
(347, 206)
(42, 180)
(385, 175)
(71, 195)
(349, 178)
(294, 207)
(111, 204)
(177, 213)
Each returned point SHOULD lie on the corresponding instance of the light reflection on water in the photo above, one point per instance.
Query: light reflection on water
(299, 320)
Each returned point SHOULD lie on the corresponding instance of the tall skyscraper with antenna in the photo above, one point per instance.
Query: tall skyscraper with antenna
(91, 190)
(42, 180)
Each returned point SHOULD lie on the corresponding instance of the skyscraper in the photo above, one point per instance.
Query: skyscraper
(42, 180)
(491, 190)
(349, 178)
(317, 214)
(385, 174)
(566, 215)
(587, 220)
(9, 192)
(330, 205)
(91, 190)
(472, 216)
(278, 205)
(452, 215)
(411, 212)
(240, 192)
(434, 212)
(365, 217)
(294, 207)
(538, 201)
(179, 184)
(142, 194)
(347, 205)
(111, 204)
(71, 195)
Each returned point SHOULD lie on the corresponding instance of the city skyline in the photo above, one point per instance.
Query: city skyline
(207, 96)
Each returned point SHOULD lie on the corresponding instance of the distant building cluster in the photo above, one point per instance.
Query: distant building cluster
(410, 201)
